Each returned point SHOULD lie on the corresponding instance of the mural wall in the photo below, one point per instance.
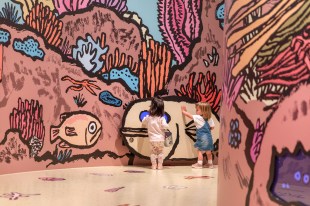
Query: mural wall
(264, 136)
(72, 73)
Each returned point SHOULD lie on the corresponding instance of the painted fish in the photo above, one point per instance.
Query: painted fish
(77, 129)
(183, 130)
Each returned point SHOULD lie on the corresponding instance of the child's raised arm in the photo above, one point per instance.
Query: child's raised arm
(187, 114)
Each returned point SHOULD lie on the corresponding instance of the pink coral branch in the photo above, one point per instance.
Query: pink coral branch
(70, 5)
(180, 24)
(231, 86)
(257, 140)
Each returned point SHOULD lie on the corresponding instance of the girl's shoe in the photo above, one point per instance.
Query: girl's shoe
(197, 166)
(154, 166)
(160, 167)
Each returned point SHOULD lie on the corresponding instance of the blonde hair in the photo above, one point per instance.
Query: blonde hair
(205, 109)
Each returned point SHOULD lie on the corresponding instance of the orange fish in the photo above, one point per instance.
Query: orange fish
(77, 129)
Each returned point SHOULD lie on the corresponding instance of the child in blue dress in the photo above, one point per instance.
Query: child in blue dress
(204, 124)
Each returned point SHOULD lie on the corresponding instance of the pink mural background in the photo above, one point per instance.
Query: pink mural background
(69, 73)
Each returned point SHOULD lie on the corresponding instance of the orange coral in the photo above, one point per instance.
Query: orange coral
(116, 60)
(153, 68)
(46, 23)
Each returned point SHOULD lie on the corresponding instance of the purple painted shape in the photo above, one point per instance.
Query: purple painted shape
(174, 187)
(257, 140)
(114, 189)
(134, 171)
(51, 178)
(16, 195)
(100, 174)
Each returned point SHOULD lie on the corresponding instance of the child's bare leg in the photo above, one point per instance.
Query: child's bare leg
(153, 156)
(198, 165)
(200, 155)
(209, 156)
(160, 155)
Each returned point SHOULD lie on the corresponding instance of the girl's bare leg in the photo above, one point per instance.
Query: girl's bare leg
(209, 156)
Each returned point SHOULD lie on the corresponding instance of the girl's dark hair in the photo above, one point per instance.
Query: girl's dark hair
(157, 107)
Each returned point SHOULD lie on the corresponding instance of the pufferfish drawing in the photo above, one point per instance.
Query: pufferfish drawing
(183, 129)
(77, 129)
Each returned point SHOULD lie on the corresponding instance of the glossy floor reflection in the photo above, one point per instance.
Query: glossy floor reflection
(115, 185)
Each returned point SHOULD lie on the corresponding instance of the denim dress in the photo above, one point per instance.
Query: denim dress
(204, 140)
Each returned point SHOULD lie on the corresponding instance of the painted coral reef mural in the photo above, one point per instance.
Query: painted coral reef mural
(73, 72)
(264, 150)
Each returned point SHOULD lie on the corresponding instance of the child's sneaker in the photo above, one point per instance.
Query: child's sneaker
(197, 166)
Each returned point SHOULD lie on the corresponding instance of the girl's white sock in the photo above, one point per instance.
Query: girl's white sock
(210, 162)
(199, 162)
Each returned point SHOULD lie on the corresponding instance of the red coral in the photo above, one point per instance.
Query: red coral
(46, 23)
(28, 119)
(204, 90)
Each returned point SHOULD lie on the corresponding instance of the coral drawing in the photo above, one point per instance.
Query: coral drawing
(153, 68)
(117, 5)
(205, 90)
(27, 118)
(118, 60)
(63, 6)
(231, 85)
(88, 52)
(180, 24)
(43, 20)
(288, 69)
(27, 5)
(257, 140)
(10, 13)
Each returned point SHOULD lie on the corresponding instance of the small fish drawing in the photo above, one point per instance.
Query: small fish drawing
(77, 129)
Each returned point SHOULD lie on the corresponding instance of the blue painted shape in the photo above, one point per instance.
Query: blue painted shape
(107, 98)
(5, 36)
(143, 114)
(219, 13)
(306, 179)
(167, 117)
(88, 52)
(29, 47)
(146, 113)
(125, 76)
